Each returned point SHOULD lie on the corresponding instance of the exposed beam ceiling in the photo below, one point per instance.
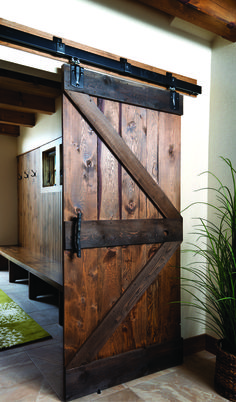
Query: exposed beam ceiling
(21, 97)
(217, 16)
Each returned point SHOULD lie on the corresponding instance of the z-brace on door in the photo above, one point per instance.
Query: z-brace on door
(121, 144)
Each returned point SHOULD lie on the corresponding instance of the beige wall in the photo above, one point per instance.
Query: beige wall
(46, 129)
(139, 34)
(222, 139)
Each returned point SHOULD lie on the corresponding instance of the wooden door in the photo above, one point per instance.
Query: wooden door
(121, 144)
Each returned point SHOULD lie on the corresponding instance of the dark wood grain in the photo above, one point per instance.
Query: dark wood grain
(119, 148)
(39, 265)
(115, 370)
(39, 213)
(215, 16)
(17, 118)
(111, 233)
(80, 192)
(8, 129)
(26, 102)
(125, 91)
(111, 306)
(124, 305)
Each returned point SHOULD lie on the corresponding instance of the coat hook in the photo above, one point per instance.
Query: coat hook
(26, 175)
(19, 177)
(34, 173)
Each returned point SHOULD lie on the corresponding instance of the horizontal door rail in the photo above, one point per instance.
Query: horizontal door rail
(56, 47)
(112, 233)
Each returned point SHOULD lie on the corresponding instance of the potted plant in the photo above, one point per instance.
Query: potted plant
(216, 246)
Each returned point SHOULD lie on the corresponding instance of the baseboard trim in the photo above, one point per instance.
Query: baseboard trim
(198, 343)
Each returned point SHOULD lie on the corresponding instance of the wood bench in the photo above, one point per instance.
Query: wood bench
(43, 275)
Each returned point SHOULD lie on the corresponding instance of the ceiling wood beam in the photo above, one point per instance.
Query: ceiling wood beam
(13, 117)
(217, 16)
(26, 83)
(26, 102)
(7, 129)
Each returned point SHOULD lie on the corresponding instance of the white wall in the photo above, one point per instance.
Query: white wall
(137, 33)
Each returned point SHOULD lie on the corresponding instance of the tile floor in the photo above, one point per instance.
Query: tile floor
(32, 373)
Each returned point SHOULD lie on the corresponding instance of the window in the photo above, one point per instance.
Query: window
(49, 167)
(52, 166)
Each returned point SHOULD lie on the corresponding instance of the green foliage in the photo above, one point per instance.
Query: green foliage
(216, 244)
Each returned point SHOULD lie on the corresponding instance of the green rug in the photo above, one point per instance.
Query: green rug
(16, 327)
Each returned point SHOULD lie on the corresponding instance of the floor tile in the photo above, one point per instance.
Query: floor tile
(33, 373)
(125, 395)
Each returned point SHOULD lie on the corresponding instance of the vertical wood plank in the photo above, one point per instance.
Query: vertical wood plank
(40, 214)
(80, 192)
(169, 178)
(133, 206)
(153, 325)
(20, 199)
(109, 259)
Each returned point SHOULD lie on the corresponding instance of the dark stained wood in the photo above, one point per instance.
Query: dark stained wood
(7, 129)
(117, 145)
(134, 127)
(41, 266)
(126, 91)
(115, 370)
(39, 287)
(39, 213)
(80, 192)
(103, 316)
(169, 171)
(21, 101)
(217, 16)
(3, 264)
(16, 272)
(111, 233)
(28, 83)
(109, 200)
(124, 305)
(17, 118)
(153, 158)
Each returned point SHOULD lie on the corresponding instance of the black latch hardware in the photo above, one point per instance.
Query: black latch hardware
(174, 96)
(76, 74)
(78, 231)
(174, 99)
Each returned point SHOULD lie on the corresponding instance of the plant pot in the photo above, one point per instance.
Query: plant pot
(225, 374)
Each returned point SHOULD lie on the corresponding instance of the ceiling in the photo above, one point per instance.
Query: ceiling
(23, 94)
(216, 16)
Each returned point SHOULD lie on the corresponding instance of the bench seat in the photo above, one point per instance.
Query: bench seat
(43, 274)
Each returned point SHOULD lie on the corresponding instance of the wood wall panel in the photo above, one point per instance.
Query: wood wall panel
(39, 213)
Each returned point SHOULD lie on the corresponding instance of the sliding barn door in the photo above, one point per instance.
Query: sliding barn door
(122, 228)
